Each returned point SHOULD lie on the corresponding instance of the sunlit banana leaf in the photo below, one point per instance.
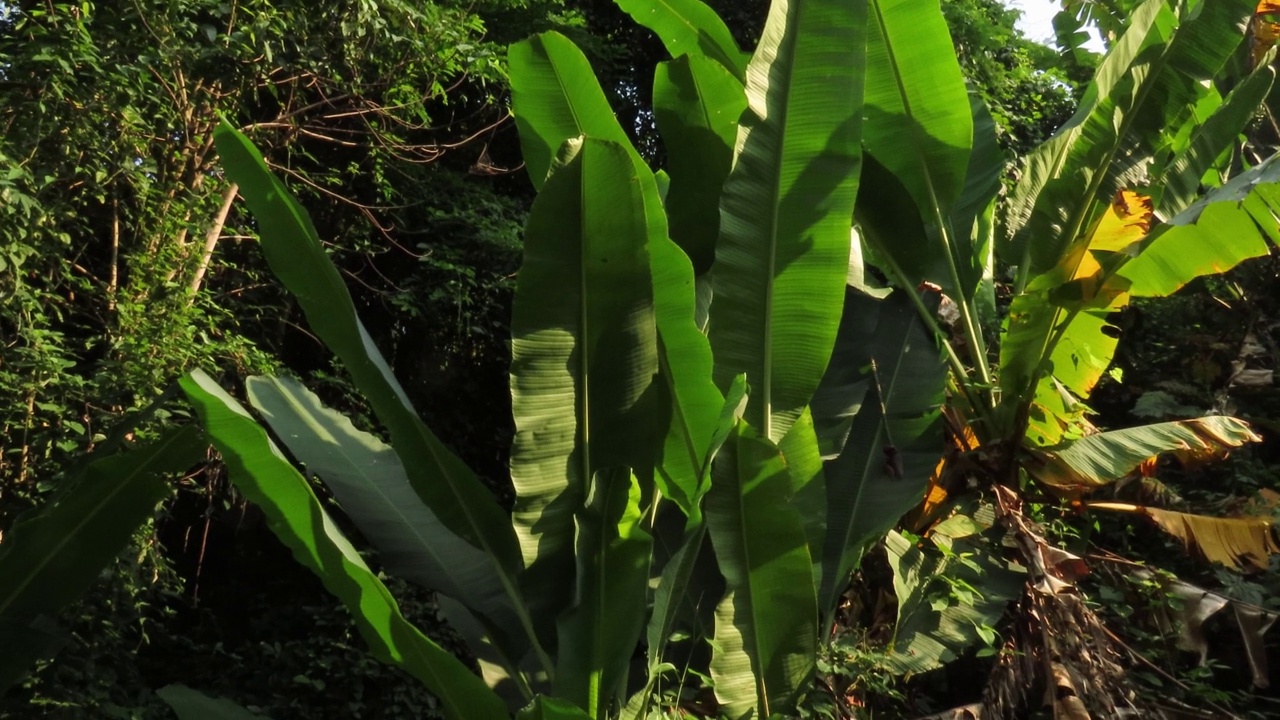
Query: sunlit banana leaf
(555, 97)
(293, 250)
(689, 27)
(1225, 227)
(765, 640)
(1243, 543)
(1151, 81)
(584, 354)
(598, 634)
(296, 517)
(785, 212)
(54, 553)
(1102, 458)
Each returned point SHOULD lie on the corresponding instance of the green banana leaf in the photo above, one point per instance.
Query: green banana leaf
(373, 489)
(696, 106)
(765, 643)
(919, 124)
(1224, 228)
(584, 354)
(1167, 63)
(689, 27)
(1096, 460)
(293, 250)
(555, 97)
(785, 211)
(895, 441)
(1179, 184)
(54, 553)
(293, 513)
(1050, 162)
(936, 622)
(189, 704)
(598, 634)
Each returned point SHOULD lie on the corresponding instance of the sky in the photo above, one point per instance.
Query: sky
(1037, 20)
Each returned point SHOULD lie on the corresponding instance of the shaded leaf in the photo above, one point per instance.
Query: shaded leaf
(293, 250)
(696, 106)
(598, 634)
(54, 553)
(371, 485)
(584, 354)
(189, 704)
(765, 641)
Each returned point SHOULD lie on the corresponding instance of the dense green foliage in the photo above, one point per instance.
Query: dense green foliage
(395, 143)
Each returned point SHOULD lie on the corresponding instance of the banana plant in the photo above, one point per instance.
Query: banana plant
(732, 376)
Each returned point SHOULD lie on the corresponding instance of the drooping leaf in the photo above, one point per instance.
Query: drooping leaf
(696, 106)
(785, 212)
(293, 250)
(296, 517)
(1102, 458)
(765, 641)
(598, 634)
(56, 552)
(1237, 542)
(1225, 227)
(189, 704)
(371, 485)
(555, 97)
(689, 27)
(584, 354)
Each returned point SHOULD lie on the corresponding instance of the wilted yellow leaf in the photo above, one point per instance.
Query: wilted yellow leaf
(1127, 221)
(1238, 542)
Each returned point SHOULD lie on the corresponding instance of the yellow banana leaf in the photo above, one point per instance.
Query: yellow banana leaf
(1244, 543)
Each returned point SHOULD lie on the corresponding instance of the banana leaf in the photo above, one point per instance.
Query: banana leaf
(689, 27)
(555, 97)
(296, 517)
(896, 439)
(765, 641)
(780, 262)
(54, 553)
(1102, 458)
(598, 634)
(696, 106)
(294, 252)
(584, 355)
(371, 485)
